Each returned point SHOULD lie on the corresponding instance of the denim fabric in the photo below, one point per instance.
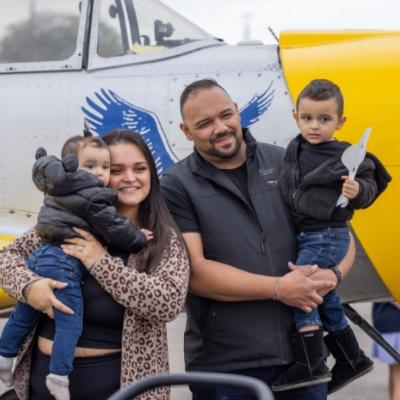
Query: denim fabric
(50, 262)
(267, 375)
(326, 248)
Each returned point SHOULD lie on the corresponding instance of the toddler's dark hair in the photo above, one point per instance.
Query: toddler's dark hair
(322, 89)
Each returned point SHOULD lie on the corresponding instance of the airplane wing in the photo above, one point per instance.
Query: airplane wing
(251, 112)
(110, 111)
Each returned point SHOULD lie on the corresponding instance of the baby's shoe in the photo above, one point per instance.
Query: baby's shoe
(6, 364)
(58, 386)
(351, 362)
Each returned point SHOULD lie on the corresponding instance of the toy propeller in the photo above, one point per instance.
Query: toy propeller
(352, 157)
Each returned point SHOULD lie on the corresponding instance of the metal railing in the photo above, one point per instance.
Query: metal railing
(254, 386)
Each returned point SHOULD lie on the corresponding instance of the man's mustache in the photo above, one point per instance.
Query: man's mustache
(222, 135)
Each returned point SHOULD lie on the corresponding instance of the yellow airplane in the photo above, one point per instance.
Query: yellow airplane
(366, 65)
(123, 63)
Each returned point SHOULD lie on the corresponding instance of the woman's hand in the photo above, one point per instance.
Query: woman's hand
(41, 296)
(86, 248)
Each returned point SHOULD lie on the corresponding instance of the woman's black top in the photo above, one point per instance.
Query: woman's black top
(102, 316)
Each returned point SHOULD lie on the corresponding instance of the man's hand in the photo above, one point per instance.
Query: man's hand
(324, 274)
(298, 289)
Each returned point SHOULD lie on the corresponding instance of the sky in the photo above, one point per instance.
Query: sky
(234, 20)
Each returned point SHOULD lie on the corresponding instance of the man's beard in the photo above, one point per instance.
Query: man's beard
(212, 151)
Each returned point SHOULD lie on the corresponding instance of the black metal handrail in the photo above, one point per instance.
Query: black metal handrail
(258, 388)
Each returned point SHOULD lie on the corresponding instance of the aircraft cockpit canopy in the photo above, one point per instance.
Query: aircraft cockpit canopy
(136, 26)
(74, 34)
(38, 30)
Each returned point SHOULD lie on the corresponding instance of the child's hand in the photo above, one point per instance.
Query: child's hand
(351, 188)
(149, 234)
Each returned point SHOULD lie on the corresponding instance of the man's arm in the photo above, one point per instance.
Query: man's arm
(223, 282)
(345, 265)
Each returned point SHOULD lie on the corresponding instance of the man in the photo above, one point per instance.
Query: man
(226, 200)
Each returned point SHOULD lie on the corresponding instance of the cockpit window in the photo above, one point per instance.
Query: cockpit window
(140, 26)
(38, 30)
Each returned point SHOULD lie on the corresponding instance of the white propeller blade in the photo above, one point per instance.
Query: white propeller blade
(352, 157)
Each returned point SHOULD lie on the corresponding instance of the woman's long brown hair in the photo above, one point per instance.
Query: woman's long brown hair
(153, 212)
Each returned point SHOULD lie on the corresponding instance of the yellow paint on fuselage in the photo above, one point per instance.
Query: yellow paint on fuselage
(5, 300)
(366, 65)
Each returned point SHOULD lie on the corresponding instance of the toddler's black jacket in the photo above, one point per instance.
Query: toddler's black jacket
(76, 198)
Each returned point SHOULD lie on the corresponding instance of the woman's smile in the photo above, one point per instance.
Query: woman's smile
(130, 176)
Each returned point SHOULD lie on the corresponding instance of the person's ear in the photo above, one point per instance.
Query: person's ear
(185, 129)
(296, 118)
(341, 122)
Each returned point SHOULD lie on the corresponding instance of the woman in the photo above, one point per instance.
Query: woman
(128, 298)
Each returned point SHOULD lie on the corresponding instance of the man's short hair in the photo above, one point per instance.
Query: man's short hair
(197, 86)
(322, 89)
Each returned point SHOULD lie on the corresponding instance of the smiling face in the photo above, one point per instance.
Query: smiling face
(212, 122)
(318, 119)
(130, 177)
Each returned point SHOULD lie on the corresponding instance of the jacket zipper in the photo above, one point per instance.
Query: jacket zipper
(254, 212)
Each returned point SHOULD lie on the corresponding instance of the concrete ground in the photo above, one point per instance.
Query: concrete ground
(371, 387)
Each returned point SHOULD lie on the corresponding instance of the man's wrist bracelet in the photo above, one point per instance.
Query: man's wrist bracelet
(338, 274)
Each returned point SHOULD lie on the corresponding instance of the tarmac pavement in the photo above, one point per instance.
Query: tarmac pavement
(373, 386)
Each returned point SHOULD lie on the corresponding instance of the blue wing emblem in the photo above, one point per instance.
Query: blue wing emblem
(110, 111)
(252, 111)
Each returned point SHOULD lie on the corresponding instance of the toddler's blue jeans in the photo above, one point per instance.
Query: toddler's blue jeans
(50, 262)
(326, 248)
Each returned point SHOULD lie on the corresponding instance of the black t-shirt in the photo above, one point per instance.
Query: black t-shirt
(239, 177)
